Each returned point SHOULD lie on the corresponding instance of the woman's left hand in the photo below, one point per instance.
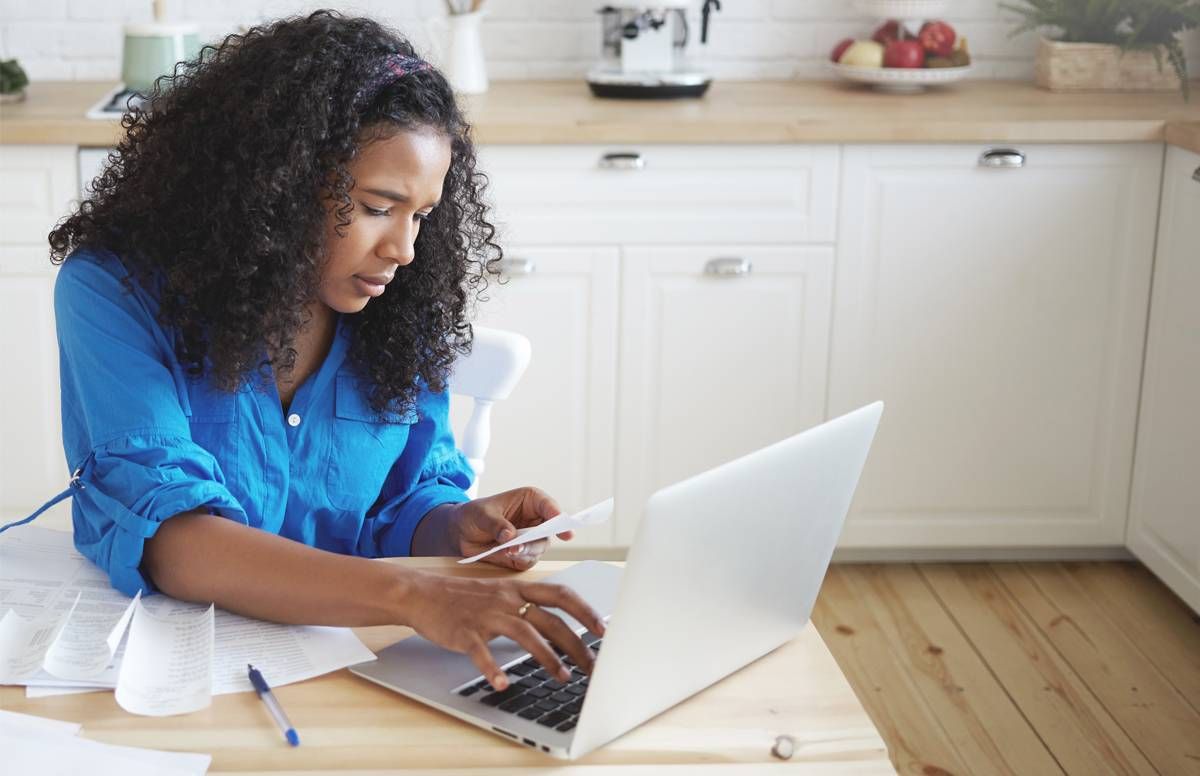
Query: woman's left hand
(481, 524)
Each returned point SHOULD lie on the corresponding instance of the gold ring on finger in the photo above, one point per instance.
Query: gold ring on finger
(525, 608)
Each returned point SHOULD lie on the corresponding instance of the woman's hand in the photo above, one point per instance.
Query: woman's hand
(475, 526)
(464, 614)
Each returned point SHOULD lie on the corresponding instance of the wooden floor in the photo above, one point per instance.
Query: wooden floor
(1019, 668)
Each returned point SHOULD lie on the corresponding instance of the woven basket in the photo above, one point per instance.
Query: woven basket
(1090, 67)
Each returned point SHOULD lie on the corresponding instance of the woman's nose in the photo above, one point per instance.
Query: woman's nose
(398, 247)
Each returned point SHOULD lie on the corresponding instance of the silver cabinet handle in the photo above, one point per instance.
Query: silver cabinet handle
(622, 160)
(516, 267)
(1002, 158)
(1196, 175)
(728, 267)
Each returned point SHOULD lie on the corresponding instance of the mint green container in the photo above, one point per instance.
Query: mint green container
(152, 50)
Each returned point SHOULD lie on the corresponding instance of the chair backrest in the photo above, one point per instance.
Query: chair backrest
(487, 374)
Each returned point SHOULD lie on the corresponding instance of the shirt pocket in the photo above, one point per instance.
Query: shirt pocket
(364, 446)
(213, 422)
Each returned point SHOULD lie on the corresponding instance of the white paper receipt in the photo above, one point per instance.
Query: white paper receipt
(593, 515)
(167, 667)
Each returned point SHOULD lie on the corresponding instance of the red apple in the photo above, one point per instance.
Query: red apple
(904, 53)
(887, 32)
(937, 38)
(840, 48)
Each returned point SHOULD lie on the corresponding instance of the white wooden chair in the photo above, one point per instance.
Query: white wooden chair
(487, 374)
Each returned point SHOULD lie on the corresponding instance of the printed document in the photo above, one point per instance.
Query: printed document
(64, 629)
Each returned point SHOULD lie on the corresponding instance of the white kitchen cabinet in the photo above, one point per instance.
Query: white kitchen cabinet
(663, 194)
(723, 350)
(37, 186)
(999, 312)
(1164, 513)
(556, 429)
(687, 338)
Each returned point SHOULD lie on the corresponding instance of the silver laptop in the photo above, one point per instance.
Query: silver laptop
(725, 567)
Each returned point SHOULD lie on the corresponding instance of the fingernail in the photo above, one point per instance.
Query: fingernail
(506, 534)
(500, 682)
(564, 674)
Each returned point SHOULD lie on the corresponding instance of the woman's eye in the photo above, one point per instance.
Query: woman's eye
(375, 211)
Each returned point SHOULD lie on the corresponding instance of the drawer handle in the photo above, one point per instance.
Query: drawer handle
(728, 267)
(516, 267)
(1196, 175)
(622, 160)
(1002, 158)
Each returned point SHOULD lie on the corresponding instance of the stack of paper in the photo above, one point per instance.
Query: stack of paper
(51, 748)
(65, 629)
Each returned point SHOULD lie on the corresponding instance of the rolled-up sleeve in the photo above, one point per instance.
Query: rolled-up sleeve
(431, 471)
(130, 486)
(125, 425)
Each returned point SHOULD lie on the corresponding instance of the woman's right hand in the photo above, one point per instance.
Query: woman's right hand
(463, 615)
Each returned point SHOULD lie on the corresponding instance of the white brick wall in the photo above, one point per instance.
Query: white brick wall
(523, 39)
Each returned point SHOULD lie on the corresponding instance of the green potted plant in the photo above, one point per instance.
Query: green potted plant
(1109, 45)
(12, 81)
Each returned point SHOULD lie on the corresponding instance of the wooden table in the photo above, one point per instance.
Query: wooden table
(348, 724)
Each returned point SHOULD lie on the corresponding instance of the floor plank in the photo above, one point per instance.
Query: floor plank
(986, 727)
(1133, 691)
(917, 744)
(1168, 632)
(1020, 668)
(1076, 728)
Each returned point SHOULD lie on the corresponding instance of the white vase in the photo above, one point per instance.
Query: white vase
(458, 45)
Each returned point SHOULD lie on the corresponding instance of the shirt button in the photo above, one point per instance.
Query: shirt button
(293, 420)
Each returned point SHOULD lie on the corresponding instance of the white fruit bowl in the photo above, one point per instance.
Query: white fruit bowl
(901, 79)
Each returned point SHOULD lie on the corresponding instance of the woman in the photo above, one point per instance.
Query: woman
(257, 312)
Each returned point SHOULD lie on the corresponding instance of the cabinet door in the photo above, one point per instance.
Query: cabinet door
(999, 312)
(663, 194)
(37, 185)
(714, 366)
(1164, 516)
(556, 429)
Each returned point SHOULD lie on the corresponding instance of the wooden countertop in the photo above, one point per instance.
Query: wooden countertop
(523, 112)
(1185, 134)
(349, 724)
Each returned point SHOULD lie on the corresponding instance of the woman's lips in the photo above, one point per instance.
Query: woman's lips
(372, 287)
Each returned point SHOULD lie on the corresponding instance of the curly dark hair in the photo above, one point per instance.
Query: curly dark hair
(217, 197)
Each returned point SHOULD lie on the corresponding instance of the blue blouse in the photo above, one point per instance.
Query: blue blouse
(153, 443)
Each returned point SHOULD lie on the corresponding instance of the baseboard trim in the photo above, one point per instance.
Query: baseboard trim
(976, 554)
(901, 554)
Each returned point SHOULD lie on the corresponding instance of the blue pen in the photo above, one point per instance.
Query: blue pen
(264, 692)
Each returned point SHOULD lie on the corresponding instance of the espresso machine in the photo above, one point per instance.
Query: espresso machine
(643, 51)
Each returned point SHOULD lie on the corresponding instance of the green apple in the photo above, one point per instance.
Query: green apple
(863, 53)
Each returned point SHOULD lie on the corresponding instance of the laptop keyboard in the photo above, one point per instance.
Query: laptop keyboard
(533, 694)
